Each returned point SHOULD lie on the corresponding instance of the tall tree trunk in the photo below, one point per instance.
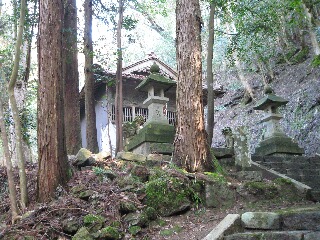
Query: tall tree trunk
(53, 162)
(91, 129)
(8, 163)
(210, 113)
(312, 33)
(119, 99)
(191, 149)
(15, 110)
(71, 78)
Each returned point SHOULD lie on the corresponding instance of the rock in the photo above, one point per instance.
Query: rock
(230, 224)
(312, 236)
(218, 194)
(151, 213)
(223, 152)
(70, 225)
(261, 220)
(249, 176)
(103, 155)
(301, 220)
(295, 235)
(84, 158)
(93, 222)
(140, 172)
(82, 234)
(136, 219)
(127, 207)
(80, 191)
(128, 156)
(110, 233)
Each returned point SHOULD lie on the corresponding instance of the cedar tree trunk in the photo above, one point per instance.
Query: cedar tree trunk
(91, 129)
(119, 98)
(53, 162)
(71, 78)
(191, 149)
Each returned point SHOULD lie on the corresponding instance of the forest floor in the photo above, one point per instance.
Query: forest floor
(46, 220)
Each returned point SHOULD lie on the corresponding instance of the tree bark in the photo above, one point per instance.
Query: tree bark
(191, 149)
(15, 110)
(91, 129)
(119, 98)
(71, 78)
(8, 163)
(210, 113)
(53, 162)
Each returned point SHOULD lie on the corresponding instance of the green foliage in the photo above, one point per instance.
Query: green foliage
(316, 61)
(169, 232)
(91, 218)
(262, 188)
(300, 56)
(134, 230)
(164, 190)
(110, 233)
(99, 171)
(282, 181)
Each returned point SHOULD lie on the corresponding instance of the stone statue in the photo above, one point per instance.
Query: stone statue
(227, 132)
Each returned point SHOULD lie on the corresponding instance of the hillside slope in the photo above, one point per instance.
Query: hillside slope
(298, 83)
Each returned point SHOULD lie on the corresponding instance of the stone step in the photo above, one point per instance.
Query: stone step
(304, 220)
(270, 235)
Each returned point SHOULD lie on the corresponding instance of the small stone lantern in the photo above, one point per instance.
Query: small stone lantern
(274, 140)
(157, 134)
(156, 85)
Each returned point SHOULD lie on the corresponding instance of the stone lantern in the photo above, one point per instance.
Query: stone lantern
(156, 85)
(157, 134)
(274, 140)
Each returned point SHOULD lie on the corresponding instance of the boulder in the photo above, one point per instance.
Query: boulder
(136, 219)
(82, 234)
(93, 222)
(261, 220)
(128, 156)
(127, 207)
(140, 172)
(218, 194)
(84, 158)
(110, 233)
(70, 225)
(80, 191)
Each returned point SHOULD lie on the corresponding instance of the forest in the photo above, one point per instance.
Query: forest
(51, 52)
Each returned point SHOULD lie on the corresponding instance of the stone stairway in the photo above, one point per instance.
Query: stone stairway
(302, 169)
(291, 224)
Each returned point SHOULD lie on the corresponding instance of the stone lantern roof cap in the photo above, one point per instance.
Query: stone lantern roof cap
(270, 100)
(156, 80)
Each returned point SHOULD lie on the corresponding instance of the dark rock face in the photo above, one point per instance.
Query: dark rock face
(301, 221)
(297, 83)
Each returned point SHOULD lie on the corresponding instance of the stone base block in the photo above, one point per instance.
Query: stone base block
(278, 145)
(153, 133)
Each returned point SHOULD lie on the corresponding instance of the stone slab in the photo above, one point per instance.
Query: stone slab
(301, 220)
(261, 220)
(229, 225)
(154, 133)
(129, 156)
(291, 235)
(278, 144)
(223, 152)
(312, 236)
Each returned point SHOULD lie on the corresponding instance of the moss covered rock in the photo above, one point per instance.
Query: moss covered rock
(82, 234)
(109, 233)
(93, 222)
